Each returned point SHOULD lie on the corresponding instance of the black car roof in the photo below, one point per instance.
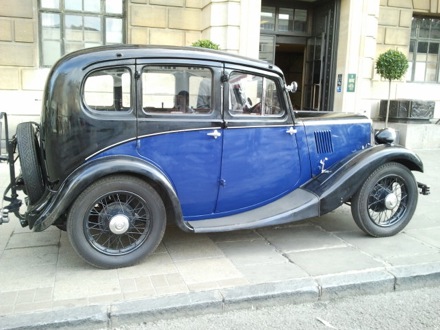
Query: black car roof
(89, 56)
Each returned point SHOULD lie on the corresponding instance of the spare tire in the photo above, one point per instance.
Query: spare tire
(27, 144)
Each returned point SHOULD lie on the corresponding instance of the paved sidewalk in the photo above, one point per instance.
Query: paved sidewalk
(44, 284)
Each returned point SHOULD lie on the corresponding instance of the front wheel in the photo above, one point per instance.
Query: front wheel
(116, 222)
(386, 201)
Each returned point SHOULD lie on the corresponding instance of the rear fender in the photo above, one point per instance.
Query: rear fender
(47, 211)
(337, 184)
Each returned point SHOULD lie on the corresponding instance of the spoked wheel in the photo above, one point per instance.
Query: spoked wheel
(386, 201)
(116, 222)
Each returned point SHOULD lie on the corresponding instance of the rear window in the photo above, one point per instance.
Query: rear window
(108, 90)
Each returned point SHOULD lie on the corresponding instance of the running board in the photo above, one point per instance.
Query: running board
(298, 205)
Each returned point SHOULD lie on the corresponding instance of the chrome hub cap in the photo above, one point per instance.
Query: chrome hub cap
(391, 201)
(119, 224)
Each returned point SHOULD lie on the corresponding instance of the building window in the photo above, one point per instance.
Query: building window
(267, 19)
(69, 25)
(283, 20)
(424, 50)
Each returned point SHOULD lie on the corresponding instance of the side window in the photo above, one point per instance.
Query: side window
(108, 90)
(176, 90)
(253, 95)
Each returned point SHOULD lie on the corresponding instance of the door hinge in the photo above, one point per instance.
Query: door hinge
(224, 78)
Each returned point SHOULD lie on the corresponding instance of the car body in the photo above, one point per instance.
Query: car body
(134, 137)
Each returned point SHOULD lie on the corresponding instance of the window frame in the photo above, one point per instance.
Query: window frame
(277, 11)
(110, 112)
(284, 118)
(261, 115)
(415, 39)
(62, 12)
(175, 113)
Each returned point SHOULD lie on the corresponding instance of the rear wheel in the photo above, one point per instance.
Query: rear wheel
(116, 222)
(27, 145)
(386, 201)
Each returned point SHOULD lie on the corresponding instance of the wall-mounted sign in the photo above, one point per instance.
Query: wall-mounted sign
(351, 82)
(339, 84)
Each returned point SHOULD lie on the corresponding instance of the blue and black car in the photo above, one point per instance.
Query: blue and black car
(134, 137)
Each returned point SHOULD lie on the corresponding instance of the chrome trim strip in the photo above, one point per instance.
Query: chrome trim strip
(262, 126)
(180, 131)
(210, 128)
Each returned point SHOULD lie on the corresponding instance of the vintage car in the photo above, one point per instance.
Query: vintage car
(134, 137)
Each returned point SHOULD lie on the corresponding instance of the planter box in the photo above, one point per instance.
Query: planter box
(405, 111)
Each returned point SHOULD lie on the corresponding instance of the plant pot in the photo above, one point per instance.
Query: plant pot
(406, 111)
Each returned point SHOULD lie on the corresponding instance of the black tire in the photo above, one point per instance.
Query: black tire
(116, 222)
(27, 145)
(386, 202)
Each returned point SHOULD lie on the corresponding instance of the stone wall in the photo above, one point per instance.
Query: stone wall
(164, 22)
(394, 29)
(21, 82)
(233, 24)
(356, 53)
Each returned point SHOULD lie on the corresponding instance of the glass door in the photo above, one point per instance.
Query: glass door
(320, 58)
(313, 73)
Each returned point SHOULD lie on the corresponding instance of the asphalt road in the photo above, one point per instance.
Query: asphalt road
(417, 309)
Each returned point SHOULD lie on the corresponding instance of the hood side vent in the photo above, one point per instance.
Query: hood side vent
(324, 144)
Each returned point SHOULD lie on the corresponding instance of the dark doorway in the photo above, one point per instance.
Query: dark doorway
(290, 59)
(320, 58)
(306, 53)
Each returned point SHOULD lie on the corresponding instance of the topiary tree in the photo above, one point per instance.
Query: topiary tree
(204, 43)
(391, 65)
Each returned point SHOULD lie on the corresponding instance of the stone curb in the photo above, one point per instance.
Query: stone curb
(78, 317)
(294, 291)
(410, 277)
(165, 307)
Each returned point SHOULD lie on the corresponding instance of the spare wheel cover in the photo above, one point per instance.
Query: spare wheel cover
(30, 166)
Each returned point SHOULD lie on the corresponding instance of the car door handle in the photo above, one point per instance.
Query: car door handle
(215, 134)
(291, 131)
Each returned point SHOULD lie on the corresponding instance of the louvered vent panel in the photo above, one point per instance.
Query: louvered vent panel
(324, 144)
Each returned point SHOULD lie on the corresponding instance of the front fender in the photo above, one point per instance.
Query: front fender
(342, 180)
(47, 211)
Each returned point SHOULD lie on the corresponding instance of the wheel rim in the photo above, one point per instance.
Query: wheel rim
(388, 201)
(118, 223)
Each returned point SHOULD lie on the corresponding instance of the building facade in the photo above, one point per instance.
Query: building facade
(328, 46)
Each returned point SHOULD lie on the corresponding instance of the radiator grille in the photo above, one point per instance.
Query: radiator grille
(324, 142)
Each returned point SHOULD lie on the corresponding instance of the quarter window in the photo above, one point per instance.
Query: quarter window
(178, 90)
(424, 50)
(69, 25)
(253, 95)
(108, 90)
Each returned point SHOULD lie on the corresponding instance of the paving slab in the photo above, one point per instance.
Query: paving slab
(44, 284)
(334, 260)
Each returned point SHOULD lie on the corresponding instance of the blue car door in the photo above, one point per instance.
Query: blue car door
(179, 128)
(260, 160)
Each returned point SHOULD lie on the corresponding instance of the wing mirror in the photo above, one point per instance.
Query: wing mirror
(293, 87)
